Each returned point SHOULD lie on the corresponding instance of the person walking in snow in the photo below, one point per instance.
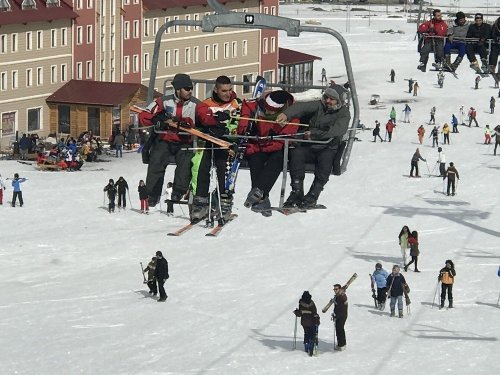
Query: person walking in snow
(17, 193)
(497, 138)
(410, 85)
(447, 277)
(492, 105)
(168, 194)
(161, 275)
(433, 118)
(407, 112)
(415, 88)
(2, 188)
(376, 132)
(454, 123)
(451, 174)
(435, 135)
(395, 282)
(379, 277)
(122, 189)
(446, 133)
(442, 162)
(472, 117)
(403, 242)
(143, 197)
(389, 128)
(414, 250)
(323, 76)
(476, 82)
(150, 269)
(392, 75)
(309, 320)
(421, 133)
(487, 135)
(339, 316)
(110, 189)
(414, 163)
(392, 115)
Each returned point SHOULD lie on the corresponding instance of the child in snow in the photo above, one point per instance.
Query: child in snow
(150, 269)
(111, 190)
(487, 135)
(16, 185)
(309, 319)
(168, 195)
(447, 277)
(143, 196)
(421, 132)
(379, 277)
(2, 188)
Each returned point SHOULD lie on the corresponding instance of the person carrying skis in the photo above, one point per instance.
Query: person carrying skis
(379, 277)
(17, 193)
(414, 250)
(487, 135)
(392, 75)
(376, 132)
(446, 133)
(328, 120)
(151, 282)
(403, 242)
(213, 115)
(407, 112)
(480, 31)
(161, 275)
(434, 32)
(472, 117)
(389, 128)
(392, 115)
(497, 138)
(414, 162)
(456, 40)
(265, 155)
(2, 188)
(143, 196)
(421, 132)
(451, 173)
(309, 320)
(433, 118)
(492, 105)
(122, 189)
(339, 316)
(395, 290)
(110, 188)
(447, 277)
(442, 162)
(454, 123)
(434, 135)
(161, 147)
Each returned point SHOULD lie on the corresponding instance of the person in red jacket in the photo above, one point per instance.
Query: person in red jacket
(389, 127)
(434, 32)
(265, 156)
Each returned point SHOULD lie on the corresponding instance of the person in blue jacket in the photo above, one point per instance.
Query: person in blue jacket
(16, 185)
(380, 278)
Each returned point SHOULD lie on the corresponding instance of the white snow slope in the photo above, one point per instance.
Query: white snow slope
(72, 299)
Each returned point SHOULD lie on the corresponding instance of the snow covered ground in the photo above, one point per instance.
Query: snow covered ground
(72, 299)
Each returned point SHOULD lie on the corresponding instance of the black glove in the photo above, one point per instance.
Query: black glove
(161, 117)
(297, 313)
(184, 124)
(222, 116)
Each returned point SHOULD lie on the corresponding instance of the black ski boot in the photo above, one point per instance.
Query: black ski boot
(176, 196)
(199, 209)
(311, 198)
(442, 304)
(226, 205)
(422, 67)
(263, 207)
(296, 196)
(450, 303)
(393, 312)
(456, 63)
(255, 196)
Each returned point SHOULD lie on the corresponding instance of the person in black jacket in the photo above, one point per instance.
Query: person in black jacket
(111, 190)
(480, 31)
(495, 49)
(395, 282)
(122, 188)
(309, 319)
(143, 196)
(339, 316)
(161, 274)
(447, 277)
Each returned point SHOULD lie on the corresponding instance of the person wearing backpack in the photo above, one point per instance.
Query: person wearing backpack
(309, 320)
(447, 277)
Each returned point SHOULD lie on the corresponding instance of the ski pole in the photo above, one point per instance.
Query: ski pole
(334, 332)
(435, 294)
(443, 185)
(498, 300)
(144, 277)
(104, 199)
(295, 335)
(428, 169)
(270, 121)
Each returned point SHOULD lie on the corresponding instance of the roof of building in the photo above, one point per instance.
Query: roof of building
(94, 92)
(16, 15)
(165, 4)
(290, 57)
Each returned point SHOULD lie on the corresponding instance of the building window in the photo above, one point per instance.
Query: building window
(226, 50)
(53, 73)
(78, 4)
(273, 44)
(112, 42)
(8, 123)
(63, 114)
(3, 81)
(176, 57)
(265, 46)
(34, 119)
(167, 58)
(3, 43)
(266, 10)
(79, 69)
(196, 17)
(14, 79)
(146, 27)
(89, 34)
(136, 29)
(53, 38)
(39, 76)
(14, 43)
(29, 41)
(196, 54)
(176, 27)
(29, 77)
(28, 4)
(234, 49)
(167, 19)
(64, 72)
(39, 39)
(215, 52)
(79, 35)
(207, 53)
(155, 25)
(244, 48)
(273, 11)
(126, 30)
(126, 65)
(135, 63)
(247, 78)
(103, 44)
(89, 69)
(188, 28)
(146, 62)
(64, 36)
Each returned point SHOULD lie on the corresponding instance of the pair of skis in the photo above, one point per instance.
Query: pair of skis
(213, 233)
(344, 288)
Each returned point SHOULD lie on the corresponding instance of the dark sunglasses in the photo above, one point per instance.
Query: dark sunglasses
(188, 88)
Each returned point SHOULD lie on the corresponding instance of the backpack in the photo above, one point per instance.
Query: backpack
(406, 288)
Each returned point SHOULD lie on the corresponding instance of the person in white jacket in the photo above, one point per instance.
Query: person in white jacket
(2, 188)
(442, 162)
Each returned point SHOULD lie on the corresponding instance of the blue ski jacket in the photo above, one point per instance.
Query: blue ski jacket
(16, 184)
(380, 278)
